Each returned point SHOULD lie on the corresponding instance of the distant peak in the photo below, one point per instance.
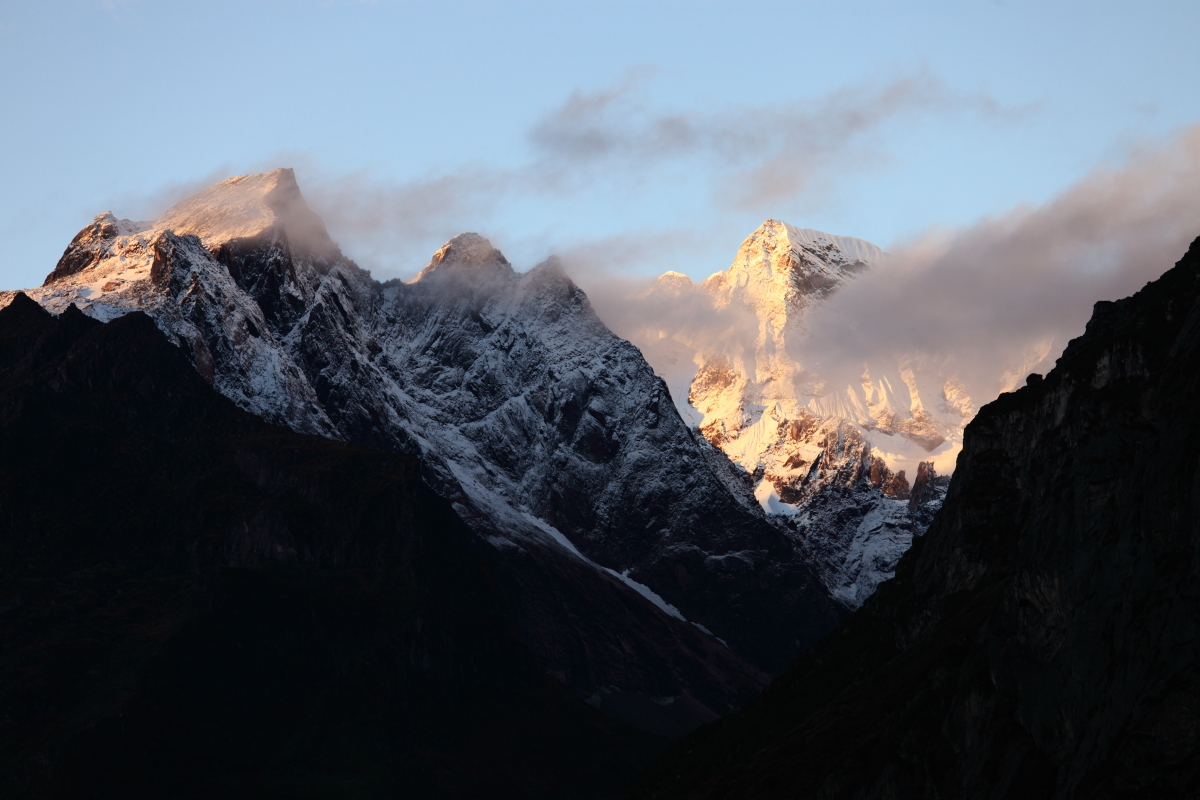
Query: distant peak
(671, 283)
(467, 251)
(780, 268)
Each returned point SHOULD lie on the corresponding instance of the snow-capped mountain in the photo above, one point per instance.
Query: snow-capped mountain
(834, 465)
(553, 437)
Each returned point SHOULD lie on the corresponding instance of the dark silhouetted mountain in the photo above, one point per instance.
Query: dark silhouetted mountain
(1041, 639)
(194, 603)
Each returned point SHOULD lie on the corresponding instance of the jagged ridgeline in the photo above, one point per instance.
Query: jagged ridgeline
(638, 578)
(1041, 639)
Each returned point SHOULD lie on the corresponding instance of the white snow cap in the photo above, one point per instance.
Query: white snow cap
(247, 206)
(853, 249)
(468, 251)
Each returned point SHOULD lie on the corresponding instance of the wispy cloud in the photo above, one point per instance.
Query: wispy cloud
(990, 300)
(753, 153)
(623, 140)
(150, 205)
(618, 136)
(395, 225)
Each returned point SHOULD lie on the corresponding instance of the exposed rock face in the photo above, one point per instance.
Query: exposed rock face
(552, 436)
(798, 438)
(88, 247)
(1041, 639)
(928, 489)
(196, 604)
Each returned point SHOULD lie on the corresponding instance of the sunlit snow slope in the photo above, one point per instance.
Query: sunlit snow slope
(845, 469)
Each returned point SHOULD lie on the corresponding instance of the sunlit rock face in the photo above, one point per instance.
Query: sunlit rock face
(755, 396)
(227, 274)
(642, 566)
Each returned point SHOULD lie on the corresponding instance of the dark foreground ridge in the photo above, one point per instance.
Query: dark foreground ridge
(1041, 639)
(194, 603)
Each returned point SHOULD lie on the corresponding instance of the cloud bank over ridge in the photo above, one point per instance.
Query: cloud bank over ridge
(990, 301)
(986, 303)
(1001, 298)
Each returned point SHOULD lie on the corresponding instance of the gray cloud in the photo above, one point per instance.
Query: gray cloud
(757, 154)
(668, 323)
(397, 226)
(992, 298)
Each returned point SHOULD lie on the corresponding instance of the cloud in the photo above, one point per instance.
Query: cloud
(993, 301)
(756, 154)
(396, 226)
(619, 139)
(612, 143)
(151, 205)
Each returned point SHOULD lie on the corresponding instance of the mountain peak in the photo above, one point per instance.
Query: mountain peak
(672, 277)
(851, 250)
(783, 268)
(466, 252)
(248, 206)
(671, 284)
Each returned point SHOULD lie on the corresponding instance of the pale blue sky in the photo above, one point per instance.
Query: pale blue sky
(884, 119)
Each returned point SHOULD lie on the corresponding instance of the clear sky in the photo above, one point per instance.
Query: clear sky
(637, 136)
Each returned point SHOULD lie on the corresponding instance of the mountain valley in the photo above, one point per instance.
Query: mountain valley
(456, 533)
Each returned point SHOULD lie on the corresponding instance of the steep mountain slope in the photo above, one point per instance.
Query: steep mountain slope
(552, 436)
(196, 604)
(1040, 639)
(829, 462)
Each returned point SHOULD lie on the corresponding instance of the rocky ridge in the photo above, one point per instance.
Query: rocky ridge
(552, 437)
